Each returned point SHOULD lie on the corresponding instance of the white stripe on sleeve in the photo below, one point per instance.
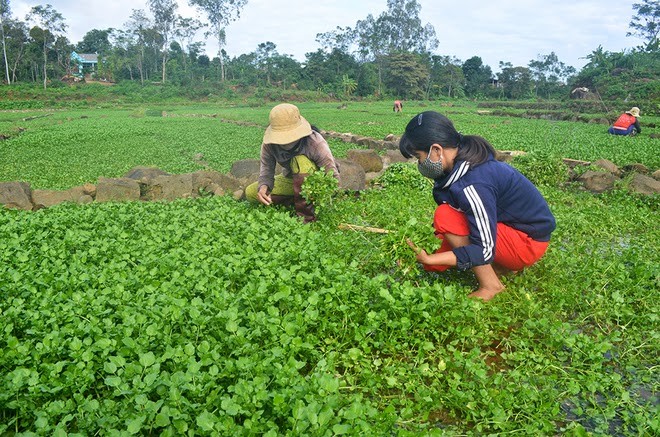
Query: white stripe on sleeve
(483, 223)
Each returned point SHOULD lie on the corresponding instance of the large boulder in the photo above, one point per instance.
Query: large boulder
(608, 165)
(368, 159)
(48, 198)
(636, 167)
(211, 181)
(352, 176)
(245, 169)
(392, 156)
(170, 187)
(644, 184)
(598, 181)
(390, 145)
(370, 143)
(15, 195)
(145, 175)
(117, 189)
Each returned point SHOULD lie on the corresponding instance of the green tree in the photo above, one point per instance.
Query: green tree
(349, 84)
(516, 82)
(265, 54)
(406, 75)
(447, 78)
(550, 75)
(4, 14)
(402, 30)
(96, 41)
(646, 23)
(399, 29)
(220, 13)
(185, 30)
(17, 40)
(50, 24)
(477, 76)
(165, 19)
(322, 70)
(138, 34)
(244, 69)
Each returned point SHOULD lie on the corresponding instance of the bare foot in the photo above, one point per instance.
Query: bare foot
(485, 294)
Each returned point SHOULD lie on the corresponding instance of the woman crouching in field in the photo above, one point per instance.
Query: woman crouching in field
(491, 219)
(300, 149)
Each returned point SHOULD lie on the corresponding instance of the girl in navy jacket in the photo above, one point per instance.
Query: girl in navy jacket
(491, 219)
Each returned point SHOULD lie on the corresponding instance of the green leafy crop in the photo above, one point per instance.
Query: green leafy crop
(212, 316)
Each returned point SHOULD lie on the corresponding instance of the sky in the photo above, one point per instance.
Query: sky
(515, 31)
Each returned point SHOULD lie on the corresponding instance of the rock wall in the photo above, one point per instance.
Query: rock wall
(359, 168)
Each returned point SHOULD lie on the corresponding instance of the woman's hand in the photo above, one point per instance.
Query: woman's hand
(263, 196)
(422, 256)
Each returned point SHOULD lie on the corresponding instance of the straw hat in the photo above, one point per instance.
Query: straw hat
(286, 125)
(634, 111)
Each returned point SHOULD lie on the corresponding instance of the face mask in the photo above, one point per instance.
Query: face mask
(431, 169)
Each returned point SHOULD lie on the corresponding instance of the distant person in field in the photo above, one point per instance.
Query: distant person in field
(627, 123)
(398, 106)
(491, 219)
(300, 149)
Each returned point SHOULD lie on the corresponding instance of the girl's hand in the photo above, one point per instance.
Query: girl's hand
(422, 256)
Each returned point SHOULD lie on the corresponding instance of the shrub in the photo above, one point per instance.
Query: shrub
(403, 174)
(542, 168)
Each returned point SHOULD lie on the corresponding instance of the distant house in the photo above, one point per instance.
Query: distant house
(82, 63)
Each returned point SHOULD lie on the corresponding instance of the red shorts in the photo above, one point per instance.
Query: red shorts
(514, 249)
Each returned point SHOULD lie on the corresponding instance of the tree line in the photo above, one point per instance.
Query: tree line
(392, 54)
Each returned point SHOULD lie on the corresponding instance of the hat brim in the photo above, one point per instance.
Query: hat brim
(272, 136)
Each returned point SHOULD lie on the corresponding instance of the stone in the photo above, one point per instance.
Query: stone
(16, 195)
(656, 175)
(390, 145)
(572, 163)
(117, 189)
(371, 176)
(636, 167)
(144, 174)
(643, 184)
(369, 160)
(598, 181)
(238, 194)
(245, 169)
(608, 165)
(393, 156)
(508, 155)
(89, 189)
(210, 181)
(170, 187)
(48, 198)
(370, 143)
(352, 176)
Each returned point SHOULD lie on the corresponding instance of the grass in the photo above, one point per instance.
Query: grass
(211, 316)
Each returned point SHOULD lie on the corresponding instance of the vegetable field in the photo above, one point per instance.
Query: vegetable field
(214, 317)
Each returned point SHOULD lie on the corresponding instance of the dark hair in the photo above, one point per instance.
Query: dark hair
(431, 127)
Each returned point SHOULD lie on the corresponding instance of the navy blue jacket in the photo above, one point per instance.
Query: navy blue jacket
(489, 193)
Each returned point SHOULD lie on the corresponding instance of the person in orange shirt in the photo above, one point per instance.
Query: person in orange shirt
(627, 123)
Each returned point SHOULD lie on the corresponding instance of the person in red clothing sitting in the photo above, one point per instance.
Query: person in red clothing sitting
(627, 123)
